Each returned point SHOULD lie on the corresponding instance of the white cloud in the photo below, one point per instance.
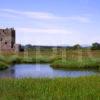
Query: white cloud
(80, 18)
(30, 14)
(43, 27)
(7, 15)
(44, 15)
(46, 36)
(43, 30)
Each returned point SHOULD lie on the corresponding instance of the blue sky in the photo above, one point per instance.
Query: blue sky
(52, 22)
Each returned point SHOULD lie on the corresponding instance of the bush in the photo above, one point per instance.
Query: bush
(3, 65)
(15, 60)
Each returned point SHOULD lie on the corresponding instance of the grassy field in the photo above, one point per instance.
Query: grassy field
(62, 58)
(83, 88)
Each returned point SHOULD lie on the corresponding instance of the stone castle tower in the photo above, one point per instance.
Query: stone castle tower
(7, 40)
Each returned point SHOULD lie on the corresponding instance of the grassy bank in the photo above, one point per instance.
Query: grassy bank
(83, 88)
(56, 62)
(30, 60)
(68, 59)
(6, 62)
(77, 64)
(3, 63)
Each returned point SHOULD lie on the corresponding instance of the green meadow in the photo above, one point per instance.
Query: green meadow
(68, 59)
(82, 88)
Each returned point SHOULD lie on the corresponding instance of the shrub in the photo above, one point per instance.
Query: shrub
(3, 65)
(15, 59)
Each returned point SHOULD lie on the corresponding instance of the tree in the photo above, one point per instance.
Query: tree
(77, 46)
(95, 46)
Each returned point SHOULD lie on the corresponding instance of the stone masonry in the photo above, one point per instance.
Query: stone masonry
(7, 40)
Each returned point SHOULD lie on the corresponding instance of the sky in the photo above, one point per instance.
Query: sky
(52, 22)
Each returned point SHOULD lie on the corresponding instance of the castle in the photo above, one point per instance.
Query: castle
(8, 40)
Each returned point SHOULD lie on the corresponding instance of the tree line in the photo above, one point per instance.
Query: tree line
(94, 46)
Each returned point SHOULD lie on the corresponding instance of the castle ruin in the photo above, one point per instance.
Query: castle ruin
(8, 40)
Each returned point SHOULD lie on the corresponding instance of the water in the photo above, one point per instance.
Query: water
(40, 71)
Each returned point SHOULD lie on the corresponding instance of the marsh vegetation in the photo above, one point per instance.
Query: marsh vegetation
(82, 88)
(60, 58)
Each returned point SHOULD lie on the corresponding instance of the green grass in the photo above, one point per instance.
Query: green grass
(10, 60)
(77, 64)
(18, 59)
(83, 88)
(14, 59)
(3, 63)
(76, 60)
(68, 59)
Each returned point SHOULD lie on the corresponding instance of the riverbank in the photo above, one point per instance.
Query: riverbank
(67, 59)
(55, 63)
(77, 64)
(6, 62)
(82, 88)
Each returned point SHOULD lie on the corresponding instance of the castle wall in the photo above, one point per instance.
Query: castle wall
(7, 39)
